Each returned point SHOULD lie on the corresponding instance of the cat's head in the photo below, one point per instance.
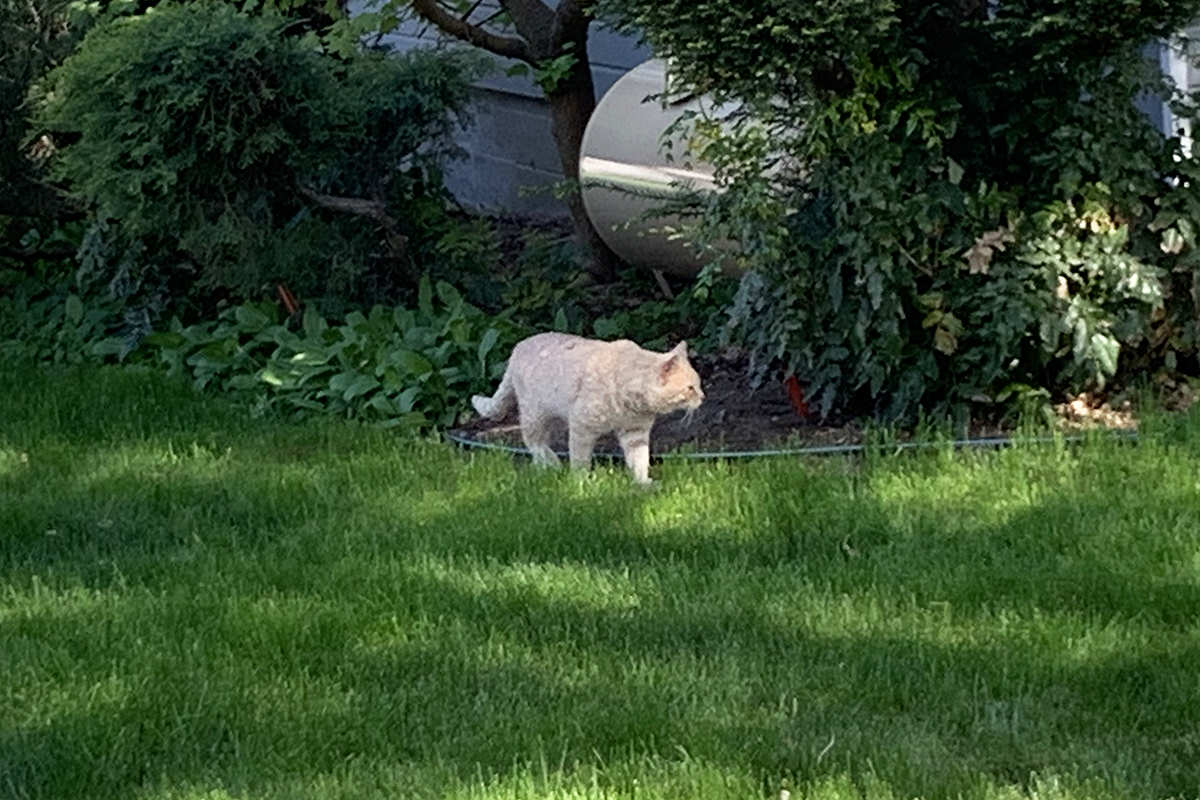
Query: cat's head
(676, 385)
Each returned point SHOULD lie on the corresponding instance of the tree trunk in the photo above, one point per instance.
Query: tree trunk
(545, 32)
(571, 105)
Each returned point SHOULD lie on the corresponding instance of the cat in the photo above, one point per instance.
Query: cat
(595, 387)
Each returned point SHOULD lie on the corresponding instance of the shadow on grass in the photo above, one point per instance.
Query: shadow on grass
(263, 614)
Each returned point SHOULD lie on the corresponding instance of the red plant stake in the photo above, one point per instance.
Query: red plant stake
(287, 298)
(795, 393)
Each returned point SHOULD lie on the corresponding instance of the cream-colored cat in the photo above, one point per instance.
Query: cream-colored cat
(595, 387)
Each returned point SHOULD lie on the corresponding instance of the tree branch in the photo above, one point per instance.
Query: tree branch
(507, 46)
(24, 197)
(533, 19)
(362, 207)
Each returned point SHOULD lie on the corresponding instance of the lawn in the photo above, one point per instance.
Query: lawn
(198, 604)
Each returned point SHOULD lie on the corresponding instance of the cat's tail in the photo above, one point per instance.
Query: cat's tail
(499, 404)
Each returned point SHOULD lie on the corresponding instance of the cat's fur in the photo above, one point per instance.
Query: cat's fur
(595, 387)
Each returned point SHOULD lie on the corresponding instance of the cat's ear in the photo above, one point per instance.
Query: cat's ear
(672, 362)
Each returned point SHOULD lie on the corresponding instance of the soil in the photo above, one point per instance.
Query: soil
(735, 416)
(738, 417)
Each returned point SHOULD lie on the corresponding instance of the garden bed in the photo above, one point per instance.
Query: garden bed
(739, 417)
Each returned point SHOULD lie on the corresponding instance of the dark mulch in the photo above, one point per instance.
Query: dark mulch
(736, 416)
(739, 417)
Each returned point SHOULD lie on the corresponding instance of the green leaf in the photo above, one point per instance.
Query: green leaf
(110, 346)
(251, 319)
(486, 344)
(414, 362)
(359, 386)
(945, 341)
(413, 420)
(314, 324)
(425, 297)
(271, 376)
(405, 401)
(1106, 349)
(381, 403)
(310, 358)
(164, 339)
(73, 308)
(242, 382)
(955, 171)
(1172, 241)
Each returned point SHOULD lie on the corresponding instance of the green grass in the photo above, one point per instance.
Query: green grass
(195, 604)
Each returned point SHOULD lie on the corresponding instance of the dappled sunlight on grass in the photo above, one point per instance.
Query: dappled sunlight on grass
(193, 604)
(12, 462)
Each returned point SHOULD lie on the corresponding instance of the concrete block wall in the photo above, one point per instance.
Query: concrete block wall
(511, 162)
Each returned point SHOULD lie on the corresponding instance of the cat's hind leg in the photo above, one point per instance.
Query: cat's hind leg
(581, 441)
(636, 447)
(536, 430)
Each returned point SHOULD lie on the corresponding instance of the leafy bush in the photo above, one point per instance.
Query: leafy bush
(410, 367)
(59, 311)
(936, 200)
(214, 140)
(693, 314)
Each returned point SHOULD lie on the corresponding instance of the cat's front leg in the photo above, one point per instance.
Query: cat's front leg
(636, 446)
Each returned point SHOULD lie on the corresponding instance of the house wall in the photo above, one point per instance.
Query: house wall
(511, 163)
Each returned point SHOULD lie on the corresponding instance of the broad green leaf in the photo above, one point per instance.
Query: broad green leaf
(270, 375)
(955, 171)
(311, 357)
(73, 308)
(314, 323)
(1106, 349)
(405, 401)
(110, 346)
(359, 386)
(381, 403)
(414, 362)
(448, 295)
(250, 318)
(486, 344)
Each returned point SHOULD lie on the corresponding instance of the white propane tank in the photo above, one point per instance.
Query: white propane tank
(624, 171)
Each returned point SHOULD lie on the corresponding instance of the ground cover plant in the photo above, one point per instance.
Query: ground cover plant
(198, 604)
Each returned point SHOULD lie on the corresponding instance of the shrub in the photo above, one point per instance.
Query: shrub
(58, 311)
(410, 367)
(213, 139)
(936, 200)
